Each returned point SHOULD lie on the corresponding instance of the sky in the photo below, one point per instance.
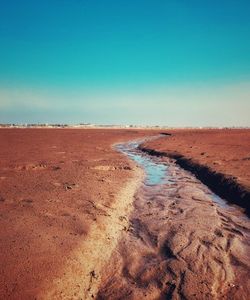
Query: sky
(168, 62)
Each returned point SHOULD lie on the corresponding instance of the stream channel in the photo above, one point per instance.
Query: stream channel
(182, 242)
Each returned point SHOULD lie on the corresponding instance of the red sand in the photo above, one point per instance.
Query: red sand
(65, 206)
(55, 185)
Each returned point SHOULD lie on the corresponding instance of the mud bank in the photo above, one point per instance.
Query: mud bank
(180, 244)
(224, 186)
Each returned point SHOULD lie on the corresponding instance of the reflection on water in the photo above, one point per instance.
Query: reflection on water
(156, 171)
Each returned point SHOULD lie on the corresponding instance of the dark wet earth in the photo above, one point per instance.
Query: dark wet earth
(182, 242)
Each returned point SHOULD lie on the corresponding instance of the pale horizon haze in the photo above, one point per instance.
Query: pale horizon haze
(168, 63)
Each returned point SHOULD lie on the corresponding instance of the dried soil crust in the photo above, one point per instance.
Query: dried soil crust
(219, 158)
(64, 196)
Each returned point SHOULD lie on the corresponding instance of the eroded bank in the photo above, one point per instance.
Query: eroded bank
(182, 242)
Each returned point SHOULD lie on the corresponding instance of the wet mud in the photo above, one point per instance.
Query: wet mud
(182, 241)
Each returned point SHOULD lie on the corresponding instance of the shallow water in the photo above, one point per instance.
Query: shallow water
(155, 170)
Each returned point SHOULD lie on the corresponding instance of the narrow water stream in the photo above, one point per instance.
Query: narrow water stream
(156, 173)
(156, 170)
(183, 241)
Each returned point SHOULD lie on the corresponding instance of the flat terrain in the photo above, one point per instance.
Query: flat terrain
(78, 221)
(58, 190)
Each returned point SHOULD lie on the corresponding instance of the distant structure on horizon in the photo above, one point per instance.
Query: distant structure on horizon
(114, 126)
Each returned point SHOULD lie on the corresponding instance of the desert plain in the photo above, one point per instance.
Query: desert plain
(78, 220)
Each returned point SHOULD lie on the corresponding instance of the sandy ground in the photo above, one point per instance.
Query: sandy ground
(219, 158)
(225, 151)
(60, 192)
(71, 229)
(181, 243)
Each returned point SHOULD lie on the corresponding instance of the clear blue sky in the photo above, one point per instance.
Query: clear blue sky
(179, 62)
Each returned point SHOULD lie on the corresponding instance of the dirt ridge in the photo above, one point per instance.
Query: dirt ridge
(81, 272)
(223, 185)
